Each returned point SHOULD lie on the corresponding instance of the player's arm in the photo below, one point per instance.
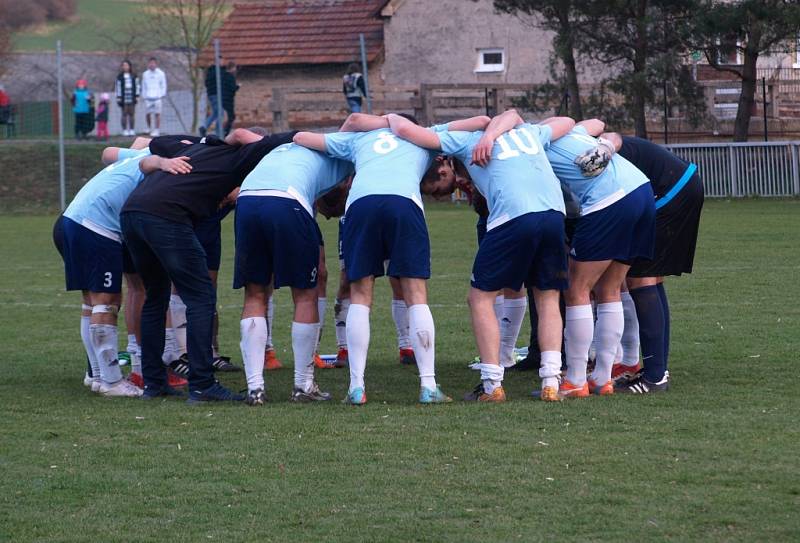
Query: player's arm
(141, 143)
(111, 154)
(473, 124)
(414, 133)
(500, 124)
(312, 140)
(363, 122)
(613, 138)
(559, 126)
(175, 166)
(242, 136)
(593, 127)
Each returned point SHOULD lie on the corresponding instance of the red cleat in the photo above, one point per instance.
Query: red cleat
(271, 362)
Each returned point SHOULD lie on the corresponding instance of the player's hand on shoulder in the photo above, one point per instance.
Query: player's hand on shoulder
(482, 152)
(176, 166)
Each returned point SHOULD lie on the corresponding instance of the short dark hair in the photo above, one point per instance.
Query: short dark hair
(152, 58)
(352, 68)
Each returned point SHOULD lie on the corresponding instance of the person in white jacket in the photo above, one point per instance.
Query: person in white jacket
(154, 89)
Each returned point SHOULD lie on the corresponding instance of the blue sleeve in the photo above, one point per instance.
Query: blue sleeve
(130, 153)
(545, 134)
(339, 144)
(438, 128)
(456, 144)
(580, 130)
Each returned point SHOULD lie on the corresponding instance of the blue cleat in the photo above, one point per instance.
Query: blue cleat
(214, 393)
(429, 395)
(357, 396)
(152, 393)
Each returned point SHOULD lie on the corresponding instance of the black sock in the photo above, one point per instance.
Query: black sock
(650, 313)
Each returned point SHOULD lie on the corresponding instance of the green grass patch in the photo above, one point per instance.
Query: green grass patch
(713, 460)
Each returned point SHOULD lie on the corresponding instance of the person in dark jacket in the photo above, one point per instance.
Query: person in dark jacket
(126, 89)
(229, 87)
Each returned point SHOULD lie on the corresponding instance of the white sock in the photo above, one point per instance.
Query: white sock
(423, 340)
(304, 340)
(630, 335)
(322, 306)
(340, 321)
(550, 368)
(86, 337)
(357, 343)
(400, 316)
(578, 334)
(270, 315)
(104, 341)
(499, 300)
(177, 310)
(491, 376)
(136, 354)
(610, 322)
(514, 310)
(618, 353)
(254, 340)
(169, 346)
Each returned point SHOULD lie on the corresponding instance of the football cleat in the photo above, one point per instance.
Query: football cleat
(341, 358)
(314, 395)
(601, 390)
(120, 389)
(180, 365)
(151, 393)
(223, 363)
(621, 372)
(357, 396)
(479, 394)
(549, 394)
(87, 380)
(256, 397)
(407, 357)
(215, 393)
(322, 363)
(136, 379)
(430, 395)
(640, 385)
(96, 384)
(568, 390)
(174, 380)
(271, 362)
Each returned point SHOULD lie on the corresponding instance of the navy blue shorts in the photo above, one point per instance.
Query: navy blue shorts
(480, 226)
(623, 231)
(276, 240)
(91, 262)
(528, 249)
(341, 234)
(382, 228)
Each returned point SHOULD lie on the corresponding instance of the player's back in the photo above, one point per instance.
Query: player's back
(385, 164)
(102, 197)
(661, 166)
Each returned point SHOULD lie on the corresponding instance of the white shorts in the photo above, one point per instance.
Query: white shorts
(152, 106)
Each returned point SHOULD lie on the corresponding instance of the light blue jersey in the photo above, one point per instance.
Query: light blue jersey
(619, 179)
(385, 163)
(98, 203)
(304, 174)
(518, 179)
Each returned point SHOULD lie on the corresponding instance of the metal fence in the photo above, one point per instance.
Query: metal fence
(768, 169)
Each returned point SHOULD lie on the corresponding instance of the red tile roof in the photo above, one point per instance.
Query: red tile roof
(299, 32)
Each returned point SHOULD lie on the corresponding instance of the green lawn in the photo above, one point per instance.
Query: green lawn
(88, 31)
(716, 459)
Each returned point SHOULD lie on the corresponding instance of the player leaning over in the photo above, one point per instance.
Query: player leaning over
(679, 201)
(93, 259)
(278, 244)
(384, 221)
(524, 242)
(616, 226)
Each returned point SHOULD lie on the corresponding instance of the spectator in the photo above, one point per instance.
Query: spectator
(353, 88)
(5, 106)
(82, 107)
(229, 88)
(154, 89)
(102, 117)
(127, 91)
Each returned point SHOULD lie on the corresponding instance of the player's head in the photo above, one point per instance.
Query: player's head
(332, 204)
(231, 66)
(126, 66)
(152, 64)
(352, 68)
(440, 179)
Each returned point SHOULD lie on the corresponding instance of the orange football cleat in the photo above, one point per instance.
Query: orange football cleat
(601, 390)
(568, 390)
(271, 362)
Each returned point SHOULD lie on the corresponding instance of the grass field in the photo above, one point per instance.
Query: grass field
(716, 459)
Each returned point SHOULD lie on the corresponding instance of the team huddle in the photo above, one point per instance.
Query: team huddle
(586, 223)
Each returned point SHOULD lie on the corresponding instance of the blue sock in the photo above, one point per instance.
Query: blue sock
(651, 331)
(665, 306)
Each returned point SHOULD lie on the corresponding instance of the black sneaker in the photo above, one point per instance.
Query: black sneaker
(256, 397)
(214, 393)
(314, 395)
(640, 385)
(181, 366)
(223, 363)
(152, 393)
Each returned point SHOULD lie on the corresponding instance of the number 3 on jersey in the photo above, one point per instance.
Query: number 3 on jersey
(386, 143)
(529, 147)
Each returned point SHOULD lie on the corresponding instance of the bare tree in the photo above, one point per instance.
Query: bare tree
(186, 25)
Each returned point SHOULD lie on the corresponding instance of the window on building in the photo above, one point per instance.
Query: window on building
(728, 51)
(797, 52)
(491, 60)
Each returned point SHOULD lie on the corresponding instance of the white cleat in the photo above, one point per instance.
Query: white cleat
(122, 388)
(87, 381)
(96, 384)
